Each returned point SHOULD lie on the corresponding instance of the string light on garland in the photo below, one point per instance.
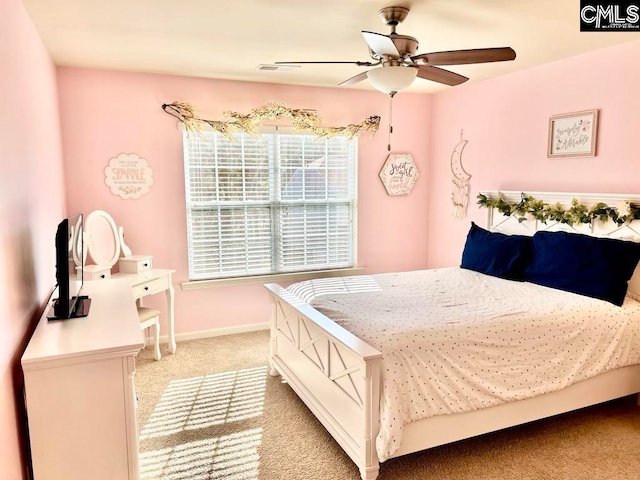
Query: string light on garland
(303, 120)
(529, 208)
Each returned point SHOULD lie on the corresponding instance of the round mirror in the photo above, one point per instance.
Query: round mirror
(76, 243)
(102, 238)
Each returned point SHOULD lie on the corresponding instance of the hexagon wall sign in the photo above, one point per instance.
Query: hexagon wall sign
(399, 174)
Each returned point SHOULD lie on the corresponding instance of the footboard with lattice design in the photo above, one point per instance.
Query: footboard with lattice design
(336, 374)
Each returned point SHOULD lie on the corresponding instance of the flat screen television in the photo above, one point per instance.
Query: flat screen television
(70, 270)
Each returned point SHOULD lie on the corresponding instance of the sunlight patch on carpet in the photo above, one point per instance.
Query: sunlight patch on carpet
(227, 457)
(205, 401)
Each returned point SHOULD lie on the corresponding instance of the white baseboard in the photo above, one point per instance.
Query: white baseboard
(217, 332)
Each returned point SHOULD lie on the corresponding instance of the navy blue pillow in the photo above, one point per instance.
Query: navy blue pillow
(591, 266)
(496, 254)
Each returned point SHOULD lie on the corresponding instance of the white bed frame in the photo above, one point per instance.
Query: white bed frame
(338, 375)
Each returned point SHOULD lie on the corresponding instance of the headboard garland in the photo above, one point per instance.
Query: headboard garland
(303, 120)
(530, 208)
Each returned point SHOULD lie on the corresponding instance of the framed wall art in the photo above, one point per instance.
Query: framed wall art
(128, 176)
(573, 134)
(399, 173)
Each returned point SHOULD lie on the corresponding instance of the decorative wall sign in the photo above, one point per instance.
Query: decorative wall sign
(573, 134)
(460, 192)
(128, 176)
(399, 174)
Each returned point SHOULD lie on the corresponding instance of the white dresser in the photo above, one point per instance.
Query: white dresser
(79, 389)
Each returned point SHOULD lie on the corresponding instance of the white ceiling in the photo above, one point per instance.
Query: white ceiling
(228, 40)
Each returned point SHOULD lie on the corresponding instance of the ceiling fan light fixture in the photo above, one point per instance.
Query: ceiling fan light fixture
(391, 80)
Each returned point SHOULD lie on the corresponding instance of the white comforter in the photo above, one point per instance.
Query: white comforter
(454, 340)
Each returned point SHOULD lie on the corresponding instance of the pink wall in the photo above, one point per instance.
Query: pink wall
(32, 203)
(505, 121)
(106, 113)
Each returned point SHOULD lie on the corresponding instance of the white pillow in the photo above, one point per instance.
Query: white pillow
(634, 284)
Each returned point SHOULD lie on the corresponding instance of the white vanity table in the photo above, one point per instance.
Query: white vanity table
(105, 242)
(80, 392)
(151, 282)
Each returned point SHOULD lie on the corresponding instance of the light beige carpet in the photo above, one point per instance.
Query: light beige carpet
(211, 411)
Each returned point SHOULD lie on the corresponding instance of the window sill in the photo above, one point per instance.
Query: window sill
(280, 277)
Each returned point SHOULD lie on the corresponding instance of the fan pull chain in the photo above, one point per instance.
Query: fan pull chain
(390, 121)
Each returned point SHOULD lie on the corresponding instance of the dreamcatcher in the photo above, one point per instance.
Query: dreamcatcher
(460, 193)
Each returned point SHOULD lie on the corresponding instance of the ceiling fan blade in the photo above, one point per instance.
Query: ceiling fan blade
(355, 79)
(462, 57)
(360, 64)
(440, 75)
(380, 44)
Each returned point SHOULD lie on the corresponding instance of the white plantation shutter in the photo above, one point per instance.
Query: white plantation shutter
(274, 203)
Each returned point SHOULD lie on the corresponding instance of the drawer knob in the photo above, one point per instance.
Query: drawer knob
(102, 276)
(146, 288)
(145, 264)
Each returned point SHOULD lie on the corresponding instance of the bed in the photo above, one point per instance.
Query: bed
(346, 374)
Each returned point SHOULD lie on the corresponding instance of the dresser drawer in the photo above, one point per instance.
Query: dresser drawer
(96, 272)
(135, 263)
(149, 288)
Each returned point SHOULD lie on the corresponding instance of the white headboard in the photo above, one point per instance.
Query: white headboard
(496, 222)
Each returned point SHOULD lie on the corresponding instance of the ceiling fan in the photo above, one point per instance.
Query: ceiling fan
(400, 65)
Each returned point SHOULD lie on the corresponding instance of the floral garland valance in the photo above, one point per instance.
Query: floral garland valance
(303, 120)
(529, 208)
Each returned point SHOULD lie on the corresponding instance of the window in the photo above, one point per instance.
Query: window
(273, 203)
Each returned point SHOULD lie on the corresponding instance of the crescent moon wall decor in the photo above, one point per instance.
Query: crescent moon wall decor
(460, 181)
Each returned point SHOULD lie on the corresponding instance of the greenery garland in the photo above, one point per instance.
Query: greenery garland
(529, 208)
(303, 120)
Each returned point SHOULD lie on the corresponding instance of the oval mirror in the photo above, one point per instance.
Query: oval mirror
(102, 238)
(76, 243)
